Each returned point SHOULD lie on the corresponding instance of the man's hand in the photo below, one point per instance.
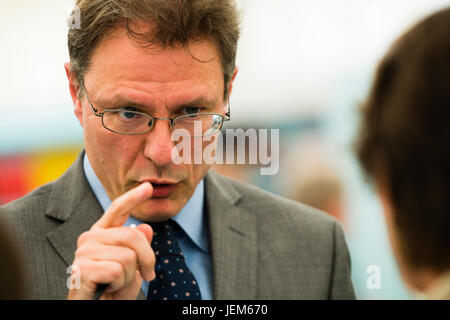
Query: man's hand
(112, 254)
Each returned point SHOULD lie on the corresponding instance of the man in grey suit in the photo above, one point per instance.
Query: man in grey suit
(138, 71)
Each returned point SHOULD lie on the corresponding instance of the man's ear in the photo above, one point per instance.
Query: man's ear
(74, 88)
(230, 85)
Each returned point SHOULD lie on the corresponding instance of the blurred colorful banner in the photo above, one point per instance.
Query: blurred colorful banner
(23, 172)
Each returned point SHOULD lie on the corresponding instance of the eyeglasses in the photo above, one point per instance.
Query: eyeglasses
(130, 122)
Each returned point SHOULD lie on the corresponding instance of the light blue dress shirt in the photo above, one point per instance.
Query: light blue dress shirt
(193, 241)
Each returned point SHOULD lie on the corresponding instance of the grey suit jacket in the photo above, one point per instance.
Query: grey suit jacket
(263, 246)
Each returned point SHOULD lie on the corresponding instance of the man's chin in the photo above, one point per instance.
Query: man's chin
(156, 209)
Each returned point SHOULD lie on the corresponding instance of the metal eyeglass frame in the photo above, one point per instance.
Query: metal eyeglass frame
(226, 117)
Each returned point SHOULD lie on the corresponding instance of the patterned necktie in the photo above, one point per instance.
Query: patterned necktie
(174, 281)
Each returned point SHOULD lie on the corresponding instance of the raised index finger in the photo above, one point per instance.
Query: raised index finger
(120, 208)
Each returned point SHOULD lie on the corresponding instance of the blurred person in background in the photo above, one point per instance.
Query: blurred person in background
(322, 189)
(316, 179)
(131, 61)
(404, 147)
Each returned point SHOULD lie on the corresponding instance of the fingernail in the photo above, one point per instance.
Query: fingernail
(144, 187)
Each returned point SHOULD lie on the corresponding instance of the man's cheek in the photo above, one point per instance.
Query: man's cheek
(115, 156)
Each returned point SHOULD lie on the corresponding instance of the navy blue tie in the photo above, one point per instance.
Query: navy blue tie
(174, 280)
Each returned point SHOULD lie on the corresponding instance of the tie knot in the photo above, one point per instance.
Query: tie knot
(164, 242)
(161, 226)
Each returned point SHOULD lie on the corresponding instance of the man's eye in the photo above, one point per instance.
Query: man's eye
(191, 110)
(129, 114)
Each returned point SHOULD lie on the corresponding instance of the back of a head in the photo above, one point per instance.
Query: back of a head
(405, 136)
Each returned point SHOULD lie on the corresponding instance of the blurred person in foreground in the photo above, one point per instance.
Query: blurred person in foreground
(12, 284)
(404, 146)
(139, 70)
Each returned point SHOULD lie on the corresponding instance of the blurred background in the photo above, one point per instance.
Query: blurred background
(305, 66)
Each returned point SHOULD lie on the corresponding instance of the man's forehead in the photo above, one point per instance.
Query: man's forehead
(119, 69)
(118, 55)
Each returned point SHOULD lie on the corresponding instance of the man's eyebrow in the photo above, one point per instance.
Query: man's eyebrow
(120, 102)
(203, 102)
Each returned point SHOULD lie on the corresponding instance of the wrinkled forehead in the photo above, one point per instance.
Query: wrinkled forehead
(118, 52)
(118, 61)
(120, 69)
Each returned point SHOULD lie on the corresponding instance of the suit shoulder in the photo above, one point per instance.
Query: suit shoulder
(20, 208)
(272, 205)
(300, 246)
(27, 222)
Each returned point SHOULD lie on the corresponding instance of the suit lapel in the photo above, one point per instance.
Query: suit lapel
(233, 234)
(73, 202)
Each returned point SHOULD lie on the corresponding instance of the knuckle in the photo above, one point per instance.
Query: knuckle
(129, 257)
(81, 264)
(83, 238)
(80, 252)
(115, 272)
(114, 206)
(140, 236)
(129, 235)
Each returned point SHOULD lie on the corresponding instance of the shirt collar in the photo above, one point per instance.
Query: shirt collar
(190, 218)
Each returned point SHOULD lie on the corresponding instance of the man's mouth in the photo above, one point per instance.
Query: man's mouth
(162, 189)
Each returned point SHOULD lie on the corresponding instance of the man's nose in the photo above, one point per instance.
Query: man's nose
(158, 144)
